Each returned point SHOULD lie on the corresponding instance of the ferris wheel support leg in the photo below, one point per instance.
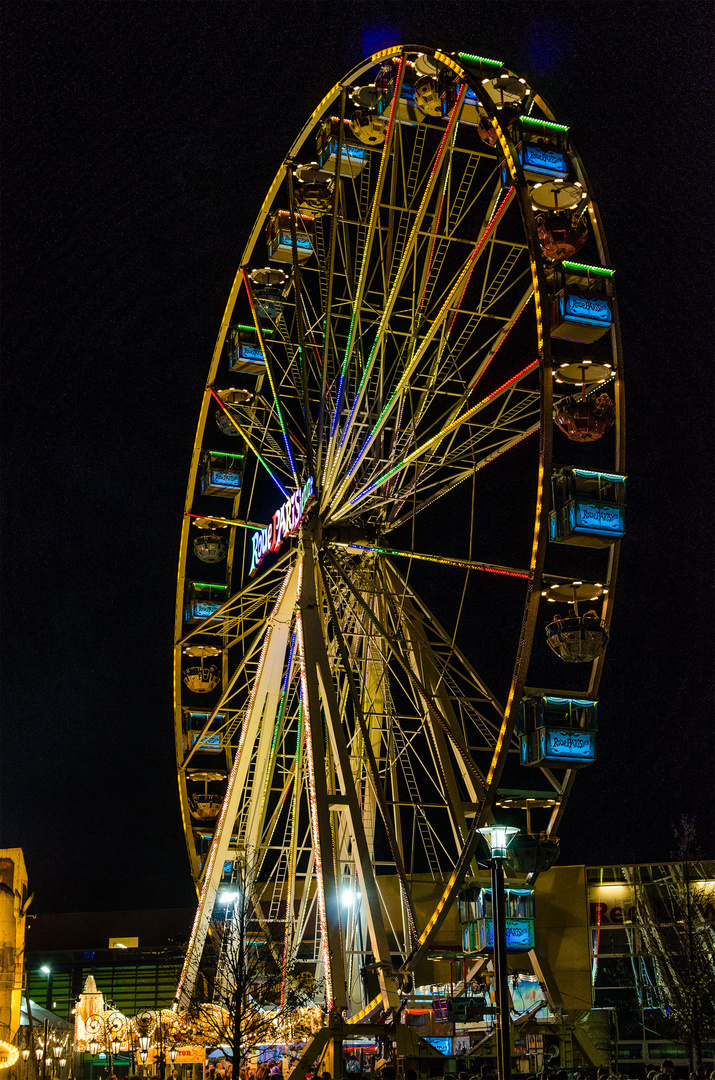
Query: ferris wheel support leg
(316, 663)
(262, 709)
(328, 904)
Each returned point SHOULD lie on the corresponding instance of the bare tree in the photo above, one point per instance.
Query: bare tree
(247, 990)
(682, 942)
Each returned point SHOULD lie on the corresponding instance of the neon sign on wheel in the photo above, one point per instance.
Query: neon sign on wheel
(284, 522)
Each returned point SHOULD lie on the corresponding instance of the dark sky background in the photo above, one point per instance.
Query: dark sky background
(139, 140)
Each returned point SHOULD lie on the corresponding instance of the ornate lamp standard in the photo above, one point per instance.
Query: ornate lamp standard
(498, 838)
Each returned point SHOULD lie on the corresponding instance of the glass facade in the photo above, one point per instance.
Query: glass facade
(637, 917)
(147, 982)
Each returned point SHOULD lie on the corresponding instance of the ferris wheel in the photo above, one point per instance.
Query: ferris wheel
(367, 660)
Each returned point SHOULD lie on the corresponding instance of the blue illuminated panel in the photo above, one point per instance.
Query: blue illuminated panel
(519, 933)
(443, 1044)
(352, 158)
(352, 153)
(247, 357)
(567, 744)
(302, 242)
(545, 161)
(585, 309)
(250, 352)
(218, 478)
(210, 743)
(201, 609)
(600, 519)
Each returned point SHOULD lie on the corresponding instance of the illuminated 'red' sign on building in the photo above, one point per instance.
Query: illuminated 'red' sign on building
(284, 522)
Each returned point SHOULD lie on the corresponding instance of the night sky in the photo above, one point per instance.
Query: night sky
(139, 140)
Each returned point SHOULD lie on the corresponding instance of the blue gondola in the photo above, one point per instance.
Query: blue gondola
(474, 905)
(557, 731)
(221, 474)
(589, 507)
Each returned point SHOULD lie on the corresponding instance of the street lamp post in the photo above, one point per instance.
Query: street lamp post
(499, 837)
(47, 972)
(44, 1049)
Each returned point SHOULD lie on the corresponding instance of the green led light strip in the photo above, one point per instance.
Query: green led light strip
(544, 123)
(471, 59)
(220, 453)
(242, 326)
(207, 585)
(599, 270)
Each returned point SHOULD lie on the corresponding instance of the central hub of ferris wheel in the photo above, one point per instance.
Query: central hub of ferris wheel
(364, 631)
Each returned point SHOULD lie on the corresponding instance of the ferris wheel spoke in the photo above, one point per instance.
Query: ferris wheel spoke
(469, 564)
(250, 444)
(362, 278)
(458, 457)
(252, 602)
(400, 587)
(445, 487)
(454, 297)
(399, 277)
(269, 371)
(328, 330)
(433, 441)
(436, 713)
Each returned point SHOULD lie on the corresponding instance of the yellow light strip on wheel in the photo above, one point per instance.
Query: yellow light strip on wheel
(540, 484)
(449, 62)
(438, 910)
(371, 1007)
(508, 156)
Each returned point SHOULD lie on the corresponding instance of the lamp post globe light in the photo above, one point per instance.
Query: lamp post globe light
(498, 837)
